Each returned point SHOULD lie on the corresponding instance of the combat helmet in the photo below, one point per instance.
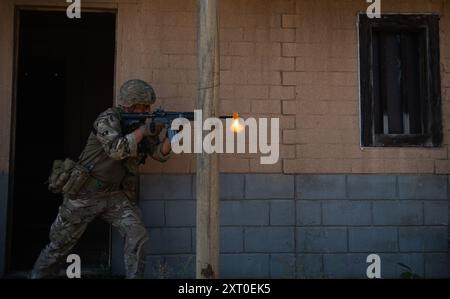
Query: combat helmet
(136, 91)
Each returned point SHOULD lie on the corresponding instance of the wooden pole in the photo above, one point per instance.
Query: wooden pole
(207, 262)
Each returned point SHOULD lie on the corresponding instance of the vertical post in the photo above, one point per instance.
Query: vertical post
(207, 262)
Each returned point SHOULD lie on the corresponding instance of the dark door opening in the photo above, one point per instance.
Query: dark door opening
(65, 78)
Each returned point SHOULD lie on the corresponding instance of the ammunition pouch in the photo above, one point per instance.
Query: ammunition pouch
(76, 181)
(60, 174)
(67, 177)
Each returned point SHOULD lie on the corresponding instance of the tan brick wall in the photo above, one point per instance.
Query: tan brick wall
(296, 60)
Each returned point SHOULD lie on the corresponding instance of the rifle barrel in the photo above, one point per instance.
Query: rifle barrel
(188, 115)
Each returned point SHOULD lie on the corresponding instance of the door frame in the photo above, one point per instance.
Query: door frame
(7, 228)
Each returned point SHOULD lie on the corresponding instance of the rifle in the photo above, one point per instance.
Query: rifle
(132, 121)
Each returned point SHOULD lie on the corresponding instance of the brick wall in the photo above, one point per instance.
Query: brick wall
(296, 60)
(293, 59)
(303, 226)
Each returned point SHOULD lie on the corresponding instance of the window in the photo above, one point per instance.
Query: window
(400, 89)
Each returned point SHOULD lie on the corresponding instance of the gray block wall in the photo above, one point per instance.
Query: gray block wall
(301, 226)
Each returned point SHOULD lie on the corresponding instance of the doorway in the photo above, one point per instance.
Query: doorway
(65, 78)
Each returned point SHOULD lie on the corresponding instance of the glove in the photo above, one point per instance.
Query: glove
(151, 128)
(172, 134)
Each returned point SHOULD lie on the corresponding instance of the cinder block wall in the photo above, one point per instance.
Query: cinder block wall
(301, 226)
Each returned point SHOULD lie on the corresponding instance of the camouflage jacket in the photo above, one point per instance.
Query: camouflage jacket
(113, 158)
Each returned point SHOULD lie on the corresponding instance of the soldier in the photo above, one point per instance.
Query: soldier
(109, 191)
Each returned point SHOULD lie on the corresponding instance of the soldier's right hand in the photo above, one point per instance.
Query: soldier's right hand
(151, 128)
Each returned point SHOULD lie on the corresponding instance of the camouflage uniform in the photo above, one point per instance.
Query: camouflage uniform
(109, 193)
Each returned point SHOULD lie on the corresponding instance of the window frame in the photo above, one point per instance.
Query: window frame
(432, 136)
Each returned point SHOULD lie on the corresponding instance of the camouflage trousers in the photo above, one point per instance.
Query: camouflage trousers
(73, 218)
